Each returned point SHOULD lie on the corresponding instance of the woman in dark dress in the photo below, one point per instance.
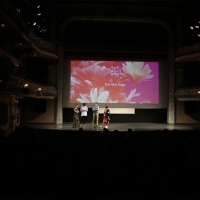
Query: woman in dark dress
(106, 117)
(76, 121)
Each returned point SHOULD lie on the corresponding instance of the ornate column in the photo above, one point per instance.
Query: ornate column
(59, 104)
(171, 93)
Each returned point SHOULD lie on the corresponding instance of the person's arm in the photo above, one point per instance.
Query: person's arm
(76, 110)
(82, 109)
(107, 112)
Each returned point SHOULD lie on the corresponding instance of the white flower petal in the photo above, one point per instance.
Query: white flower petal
(93, 95)
(103, 97)
(80, 100)
(84, 97)
(88, 83)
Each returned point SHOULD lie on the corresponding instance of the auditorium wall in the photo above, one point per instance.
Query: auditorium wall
(42, 114)
(5, 113)
(187, 112)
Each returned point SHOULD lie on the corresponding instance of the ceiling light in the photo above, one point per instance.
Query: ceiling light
(191, 27)
(2, 25)
(38, 6)
(197, 26)
(38, 14)
(18, 10)
(26, 85)
(34, 23)
(199, 35)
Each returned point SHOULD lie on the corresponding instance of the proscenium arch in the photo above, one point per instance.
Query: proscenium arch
(59, 103)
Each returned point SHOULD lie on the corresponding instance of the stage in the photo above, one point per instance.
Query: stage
(119, 126)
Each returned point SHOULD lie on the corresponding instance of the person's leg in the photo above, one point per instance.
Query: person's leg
(93, 118)
(84, 120)
(97, 119)
(73, 125)
(108, 122)
(81, 121)
(102, 125)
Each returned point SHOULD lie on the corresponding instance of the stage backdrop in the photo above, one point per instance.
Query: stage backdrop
(119, 84)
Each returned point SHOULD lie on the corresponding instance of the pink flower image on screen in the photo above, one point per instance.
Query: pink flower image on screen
(114, 82)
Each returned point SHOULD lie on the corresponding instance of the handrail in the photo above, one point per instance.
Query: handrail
(19, 82)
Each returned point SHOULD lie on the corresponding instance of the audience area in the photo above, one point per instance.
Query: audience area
(100, 165)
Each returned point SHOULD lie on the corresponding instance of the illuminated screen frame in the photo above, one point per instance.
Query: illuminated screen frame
(162, 85)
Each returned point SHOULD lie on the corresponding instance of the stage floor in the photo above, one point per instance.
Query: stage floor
(120, 126)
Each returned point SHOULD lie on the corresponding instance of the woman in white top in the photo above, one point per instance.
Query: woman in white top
(83, 110)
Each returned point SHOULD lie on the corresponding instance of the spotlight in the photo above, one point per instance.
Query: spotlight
(197, 26)
(38, 6)
(39, 91)
(199, 35)
(38, 14)
(191, 27)
(26, 88)
(34, 23)
(26, 85)
(2, 25)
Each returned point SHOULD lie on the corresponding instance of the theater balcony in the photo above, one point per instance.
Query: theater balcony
(25, 87)
(13, 17)
(188, 53)
(187, 93)
(188, 72)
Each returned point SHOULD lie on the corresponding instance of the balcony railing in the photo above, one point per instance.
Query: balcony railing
(16, 84)
(187, 50)
(13, 15)
(187, 92)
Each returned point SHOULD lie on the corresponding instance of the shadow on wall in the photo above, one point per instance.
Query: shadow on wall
(3, 113)
(35, 108)
(192, 109)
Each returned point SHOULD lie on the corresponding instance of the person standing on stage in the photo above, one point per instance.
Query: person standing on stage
(106, 117)
(76, 121)
(83, 110)
(95, 117)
